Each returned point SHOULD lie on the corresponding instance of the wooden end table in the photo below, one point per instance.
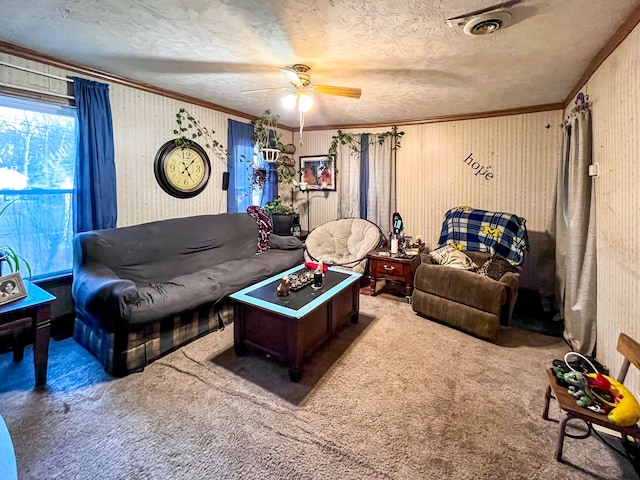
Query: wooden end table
(389, 267)
(32, 311)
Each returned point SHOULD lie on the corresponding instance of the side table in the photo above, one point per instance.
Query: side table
(31, 312)
(392, 268)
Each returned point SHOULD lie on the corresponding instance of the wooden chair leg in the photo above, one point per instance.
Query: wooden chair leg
(547, 400)
(561, 433)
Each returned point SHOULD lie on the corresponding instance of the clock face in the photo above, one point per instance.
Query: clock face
(182, 171)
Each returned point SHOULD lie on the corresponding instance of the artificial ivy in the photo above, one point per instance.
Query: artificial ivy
(343, 138)
(189, 126)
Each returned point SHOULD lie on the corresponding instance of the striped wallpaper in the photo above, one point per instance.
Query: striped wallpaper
(614, 90)
(519, 150)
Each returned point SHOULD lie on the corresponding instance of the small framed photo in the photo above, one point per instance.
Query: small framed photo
(11, 288)
(318, 172)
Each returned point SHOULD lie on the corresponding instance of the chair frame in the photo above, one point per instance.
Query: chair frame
(630, 349)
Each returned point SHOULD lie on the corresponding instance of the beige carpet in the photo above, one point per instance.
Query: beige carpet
(393, 397)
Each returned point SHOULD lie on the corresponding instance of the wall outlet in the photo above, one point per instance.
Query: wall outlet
(594, 170)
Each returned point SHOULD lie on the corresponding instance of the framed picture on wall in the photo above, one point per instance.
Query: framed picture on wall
(318, 171)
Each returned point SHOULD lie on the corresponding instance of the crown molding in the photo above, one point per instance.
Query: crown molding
(447, 118)
(623, 31)
(27, 54)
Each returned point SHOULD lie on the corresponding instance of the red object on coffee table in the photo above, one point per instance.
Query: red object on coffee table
(314, 265)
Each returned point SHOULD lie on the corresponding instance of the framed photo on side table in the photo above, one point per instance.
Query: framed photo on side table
(318, 171)
(11, 288)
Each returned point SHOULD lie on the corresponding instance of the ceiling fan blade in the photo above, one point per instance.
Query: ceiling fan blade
(339, 91)
(291, 75)
(275, 89)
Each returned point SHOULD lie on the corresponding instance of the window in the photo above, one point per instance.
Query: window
(37, 167)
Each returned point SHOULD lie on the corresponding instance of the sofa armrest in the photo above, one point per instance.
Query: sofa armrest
(97, 289)
(462, 286)
(283, 242)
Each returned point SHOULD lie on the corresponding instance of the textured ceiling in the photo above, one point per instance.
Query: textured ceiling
(408, 62)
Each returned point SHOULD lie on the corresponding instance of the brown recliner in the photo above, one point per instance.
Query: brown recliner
(474, 298)
(474, 303)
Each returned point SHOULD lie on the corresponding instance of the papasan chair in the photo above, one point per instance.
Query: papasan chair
(343, 243)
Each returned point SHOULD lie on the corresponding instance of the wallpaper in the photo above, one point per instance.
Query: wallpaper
(614, 91)
(498, 164)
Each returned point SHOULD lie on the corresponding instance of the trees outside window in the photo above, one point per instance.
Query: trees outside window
(37, 168)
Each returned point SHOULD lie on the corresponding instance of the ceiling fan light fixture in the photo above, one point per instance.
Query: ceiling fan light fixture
(300, 100)
(305, 102)
(289, 101)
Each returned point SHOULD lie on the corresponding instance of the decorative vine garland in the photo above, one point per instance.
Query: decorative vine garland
(187, 123)
(343, 138)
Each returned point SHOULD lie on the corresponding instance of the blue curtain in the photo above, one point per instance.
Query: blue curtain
(364, 174)
(95, 201)
(240, 141)
(270, 189)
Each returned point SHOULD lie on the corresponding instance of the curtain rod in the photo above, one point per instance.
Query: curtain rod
(25, 69)
(27, 89)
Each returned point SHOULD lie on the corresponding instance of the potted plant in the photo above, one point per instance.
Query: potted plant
(8, 254)
(258, 177)
(266, 141)
(283, 217)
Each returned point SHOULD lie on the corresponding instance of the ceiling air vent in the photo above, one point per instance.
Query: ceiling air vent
(487, 23)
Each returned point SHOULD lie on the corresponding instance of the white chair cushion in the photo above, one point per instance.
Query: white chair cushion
(345, 242)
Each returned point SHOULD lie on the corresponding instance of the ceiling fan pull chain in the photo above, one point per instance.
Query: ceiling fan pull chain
(301, 124)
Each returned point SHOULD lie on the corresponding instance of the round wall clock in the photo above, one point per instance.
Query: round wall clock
(182, 171)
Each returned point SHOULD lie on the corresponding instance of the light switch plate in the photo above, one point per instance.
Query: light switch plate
(594, 170)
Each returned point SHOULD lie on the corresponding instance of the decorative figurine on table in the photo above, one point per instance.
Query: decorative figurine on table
(284, 287)
(396, 224)
(396, 232)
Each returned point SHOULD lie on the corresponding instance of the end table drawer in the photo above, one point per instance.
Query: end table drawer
(390, 268)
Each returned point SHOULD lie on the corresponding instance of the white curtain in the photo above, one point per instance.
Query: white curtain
(382, 184)
(381, 193)
(348, 167)
(575, 232)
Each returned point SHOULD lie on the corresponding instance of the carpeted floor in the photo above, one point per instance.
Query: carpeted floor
(394, 397)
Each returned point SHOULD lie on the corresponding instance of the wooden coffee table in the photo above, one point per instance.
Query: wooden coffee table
(293, 326)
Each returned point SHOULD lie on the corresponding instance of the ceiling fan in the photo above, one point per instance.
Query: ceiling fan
(299, 98)
(299, 77)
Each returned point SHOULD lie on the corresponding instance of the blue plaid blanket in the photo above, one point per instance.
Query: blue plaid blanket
(499, 233)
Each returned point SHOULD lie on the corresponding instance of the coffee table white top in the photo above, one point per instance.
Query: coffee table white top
(315, 297)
